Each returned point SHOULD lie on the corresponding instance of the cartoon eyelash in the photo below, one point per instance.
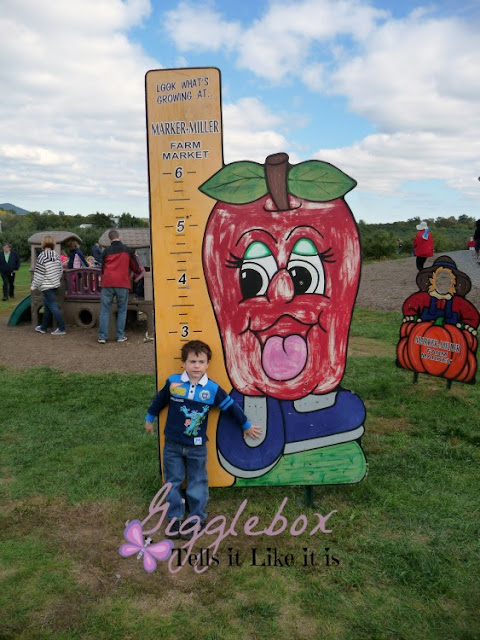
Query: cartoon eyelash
(234, 262)
(327, 255)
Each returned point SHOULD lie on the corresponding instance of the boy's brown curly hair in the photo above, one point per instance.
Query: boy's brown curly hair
(197, 347)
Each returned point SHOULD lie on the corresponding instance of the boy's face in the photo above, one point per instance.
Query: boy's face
(196, 365)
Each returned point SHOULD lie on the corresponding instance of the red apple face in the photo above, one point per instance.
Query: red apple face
(283, 285)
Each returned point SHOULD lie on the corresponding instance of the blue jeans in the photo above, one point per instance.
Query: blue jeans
(178, 459)
(50, 307)
(106, 299)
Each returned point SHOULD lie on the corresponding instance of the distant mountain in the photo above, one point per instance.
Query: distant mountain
(6, 206)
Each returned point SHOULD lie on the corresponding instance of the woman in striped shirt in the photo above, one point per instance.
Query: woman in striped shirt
(47, 278)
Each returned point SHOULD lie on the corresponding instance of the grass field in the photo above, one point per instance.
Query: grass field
(401, 561)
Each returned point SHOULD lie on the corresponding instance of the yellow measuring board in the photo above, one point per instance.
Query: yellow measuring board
(184, 137)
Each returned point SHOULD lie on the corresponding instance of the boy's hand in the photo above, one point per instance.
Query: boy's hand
(148, 426)
(253, 432)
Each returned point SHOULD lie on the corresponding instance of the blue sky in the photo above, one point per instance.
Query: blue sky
(388, 91)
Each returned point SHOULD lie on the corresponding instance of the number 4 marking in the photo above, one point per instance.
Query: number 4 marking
(182, 279)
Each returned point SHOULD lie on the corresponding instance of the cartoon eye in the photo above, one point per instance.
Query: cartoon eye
(306, 268)
(257, 270)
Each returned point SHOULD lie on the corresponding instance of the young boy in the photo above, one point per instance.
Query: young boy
(189, 397)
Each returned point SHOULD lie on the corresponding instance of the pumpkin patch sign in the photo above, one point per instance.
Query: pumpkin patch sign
(438, 335)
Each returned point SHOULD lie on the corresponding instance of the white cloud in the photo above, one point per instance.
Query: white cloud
(415, 75)
(72, 117)
(35, 155)
(197, 26)
(382, 163)
(313, 77)
(279, 43)
(417, 81)
(249, 131)
(414, 79)
(75, 97)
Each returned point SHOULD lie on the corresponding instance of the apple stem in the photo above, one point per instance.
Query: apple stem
(276, 169)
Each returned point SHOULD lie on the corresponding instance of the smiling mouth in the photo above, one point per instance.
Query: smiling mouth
(283, 327)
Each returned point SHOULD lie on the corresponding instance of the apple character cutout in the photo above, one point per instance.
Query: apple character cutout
(281, 257)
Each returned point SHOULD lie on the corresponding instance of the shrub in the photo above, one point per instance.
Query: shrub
(379, 244)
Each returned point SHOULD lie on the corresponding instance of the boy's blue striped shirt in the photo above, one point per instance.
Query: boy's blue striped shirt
(188, 407)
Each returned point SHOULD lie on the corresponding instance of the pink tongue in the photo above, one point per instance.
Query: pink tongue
(284, 358)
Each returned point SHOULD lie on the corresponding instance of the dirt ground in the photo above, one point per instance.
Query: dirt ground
(21, 347)
(383, 285)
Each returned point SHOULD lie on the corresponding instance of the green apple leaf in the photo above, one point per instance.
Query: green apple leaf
(237, 183)
(318, 181)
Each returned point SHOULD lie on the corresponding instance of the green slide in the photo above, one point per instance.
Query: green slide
(21, 313)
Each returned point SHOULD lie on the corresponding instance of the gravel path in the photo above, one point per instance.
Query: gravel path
(384, 285)
(466, 262)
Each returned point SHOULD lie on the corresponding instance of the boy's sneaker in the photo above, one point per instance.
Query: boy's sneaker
(39, 329)
(58, 332)
(101, 341)
(174, 529)
(189, 535)
(122, 339)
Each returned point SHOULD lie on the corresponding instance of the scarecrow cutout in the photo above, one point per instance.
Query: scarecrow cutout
(281, 258)
(438, 335)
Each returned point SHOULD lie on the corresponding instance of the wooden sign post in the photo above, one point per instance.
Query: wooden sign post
(184, 137)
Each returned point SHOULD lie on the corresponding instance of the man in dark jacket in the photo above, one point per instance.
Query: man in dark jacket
(97, 254)
(9, 263)
(118, 261)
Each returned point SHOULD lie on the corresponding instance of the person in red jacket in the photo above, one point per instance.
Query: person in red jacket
(118, 260)
(422, 244)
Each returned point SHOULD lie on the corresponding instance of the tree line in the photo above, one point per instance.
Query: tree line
(379, 241)
(16, 229)
(383, 241)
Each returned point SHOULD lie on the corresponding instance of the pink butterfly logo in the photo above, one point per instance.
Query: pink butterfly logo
(150, 552)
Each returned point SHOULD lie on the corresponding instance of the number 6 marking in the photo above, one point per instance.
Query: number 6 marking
(179, 172)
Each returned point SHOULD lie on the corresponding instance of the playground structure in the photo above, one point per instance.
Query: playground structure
(79, 292)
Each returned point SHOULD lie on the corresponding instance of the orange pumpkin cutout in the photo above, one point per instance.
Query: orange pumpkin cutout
(438, 349)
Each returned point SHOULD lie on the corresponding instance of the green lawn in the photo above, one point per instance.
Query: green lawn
(401, 561)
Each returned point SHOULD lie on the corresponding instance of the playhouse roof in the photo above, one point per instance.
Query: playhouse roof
(59, 236)
(135, 238)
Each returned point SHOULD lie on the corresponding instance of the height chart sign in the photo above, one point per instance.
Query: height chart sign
(184, 137)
